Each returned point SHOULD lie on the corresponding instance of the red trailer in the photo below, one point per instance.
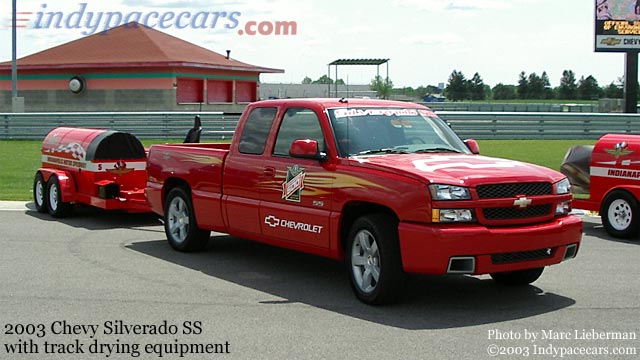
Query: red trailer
(605, 177)
(101, 168)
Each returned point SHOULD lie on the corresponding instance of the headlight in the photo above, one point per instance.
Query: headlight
(449, 192)
(451, 215)
(562, 187)
(563, 208)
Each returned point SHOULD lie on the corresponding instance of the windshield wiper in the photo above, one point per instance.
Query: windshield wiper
(381, 151)
(437, 150)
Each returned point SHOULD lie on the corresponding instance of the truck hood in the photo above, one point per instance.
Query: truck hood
(459, 169)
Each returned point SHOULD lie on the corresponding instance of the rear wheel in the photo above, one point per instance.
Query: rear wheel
(619, 214)
(55, 205)
(517, 278)
(373, 259)
(39, 193)
(180, 223)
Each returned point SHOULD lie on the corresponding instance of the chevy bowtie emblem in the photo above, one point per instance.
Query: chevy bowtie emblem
(522, 202)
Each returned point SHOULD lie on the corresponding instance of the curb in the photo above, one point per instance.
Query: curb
(16, 205)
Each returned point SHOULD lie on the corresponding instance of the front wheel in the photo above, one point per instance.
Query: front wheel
(180, 223)
(619, 214)
(39, 193)
(518, 277)
(55, 205)
(373, 258)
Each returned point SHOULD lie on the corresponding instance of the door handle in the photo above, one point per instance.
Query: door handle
(269, 172)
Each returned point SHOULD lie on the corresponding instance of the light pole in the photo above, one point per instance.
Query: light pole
(14, 70)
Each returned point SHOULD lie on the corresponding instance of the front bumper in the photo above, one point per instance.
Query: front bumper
(428, 249)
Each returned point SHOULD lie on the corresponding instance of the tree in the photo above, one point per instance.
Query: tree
(324, 79)
(477, 88)
(548, 91)
(535, 88)
(456, 89)
(382, 87)
(614, 91)
(504, 92)
(523, 86)
(588, 88)
(568, 88)
(307, 80)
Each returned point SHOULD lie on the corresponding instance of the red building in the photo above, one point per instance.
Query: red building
(131, 68)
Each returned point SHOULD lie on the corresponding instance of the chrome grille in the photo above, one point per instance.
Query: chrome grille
(504, 213)
(497, 191)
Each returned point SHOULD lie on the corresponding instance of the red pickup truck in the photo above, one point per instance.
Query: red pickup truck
(387, 186)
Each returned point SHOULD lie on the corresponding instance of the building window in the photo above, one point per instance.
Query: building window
(219, 91)
(246, 91)
(190, 91)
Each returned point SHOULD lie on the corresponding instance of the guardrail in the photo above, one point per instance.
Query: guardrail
(218, 125)
(145, 125)
(516, 125)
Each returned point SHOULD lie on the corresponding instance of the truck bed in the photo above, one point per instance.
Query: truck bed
(201, 163)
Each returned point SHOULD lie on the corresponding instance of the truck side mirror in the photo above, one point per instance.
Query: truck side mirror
(306, 149)
(473, 146)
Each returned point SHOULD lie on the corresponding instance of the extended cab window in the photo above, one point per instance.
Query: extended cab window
(256, 130)
(298, 123)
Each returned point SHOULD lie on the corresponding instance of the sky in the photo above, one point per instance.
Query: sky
(424, 40)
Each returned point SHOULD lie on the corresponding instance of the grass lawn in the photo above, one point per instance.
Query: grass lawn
(20, 159)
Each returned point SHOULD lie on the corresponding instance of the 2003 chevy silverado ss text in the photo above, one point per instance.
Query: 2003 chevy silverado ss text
(388, 186)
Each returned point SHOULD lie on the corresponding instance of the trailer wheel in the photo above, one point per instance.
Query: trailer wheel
(180, 223)
(373, 259)
(619, 213)
(39, 193)
(517, 278)
(55, 205)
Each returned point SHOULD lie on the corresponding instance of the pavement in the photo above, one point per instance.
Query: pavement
(101, 277)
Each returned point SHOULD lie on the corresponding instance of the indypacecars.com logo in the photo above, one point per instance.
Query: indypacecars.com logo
(89, 22)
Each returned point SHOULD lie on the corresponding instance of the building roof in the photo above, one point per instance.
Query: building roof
(359, 62)
(131, 45)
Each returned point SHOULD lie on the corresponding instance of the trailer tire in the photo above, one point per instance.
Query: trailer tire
(40, 193)
(518, 277)
(55, 206)
(180, 223)
(373, 260)
(619, 214)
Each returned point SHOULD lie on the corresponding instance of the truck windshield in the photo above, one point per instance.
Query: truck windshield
(369, 131)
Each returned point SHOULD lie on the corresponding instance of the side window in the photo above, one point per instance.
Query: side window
(256, 130)
(298, 123)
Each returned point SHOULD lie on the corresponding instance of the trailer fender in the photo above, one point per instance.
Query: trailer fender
(67, 185)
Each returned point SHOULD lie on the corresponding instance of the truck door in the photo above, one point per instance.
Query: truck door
(244, 171)
(296, 201)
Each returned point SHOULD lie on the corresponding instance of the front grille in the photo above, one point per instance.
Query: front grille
(497, 191)
(505, 213)
(513, 257)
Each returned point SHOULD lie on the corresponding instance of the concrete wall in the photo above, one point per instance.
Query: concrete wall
(283, 91)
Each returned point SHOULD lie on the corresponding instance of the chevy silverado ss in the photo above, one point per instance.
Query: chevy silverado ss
(387, 186)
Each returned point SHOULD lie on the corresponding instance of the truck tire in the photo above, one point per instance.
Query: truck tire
(55, 206)
(373, 260)
(180, 223)
(517, 278)
(619, 214)
(40, 193)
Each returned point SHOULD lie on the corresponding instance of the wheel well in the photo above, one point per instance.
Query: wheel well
(171, 183)
(613, 191)
(353, 210)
